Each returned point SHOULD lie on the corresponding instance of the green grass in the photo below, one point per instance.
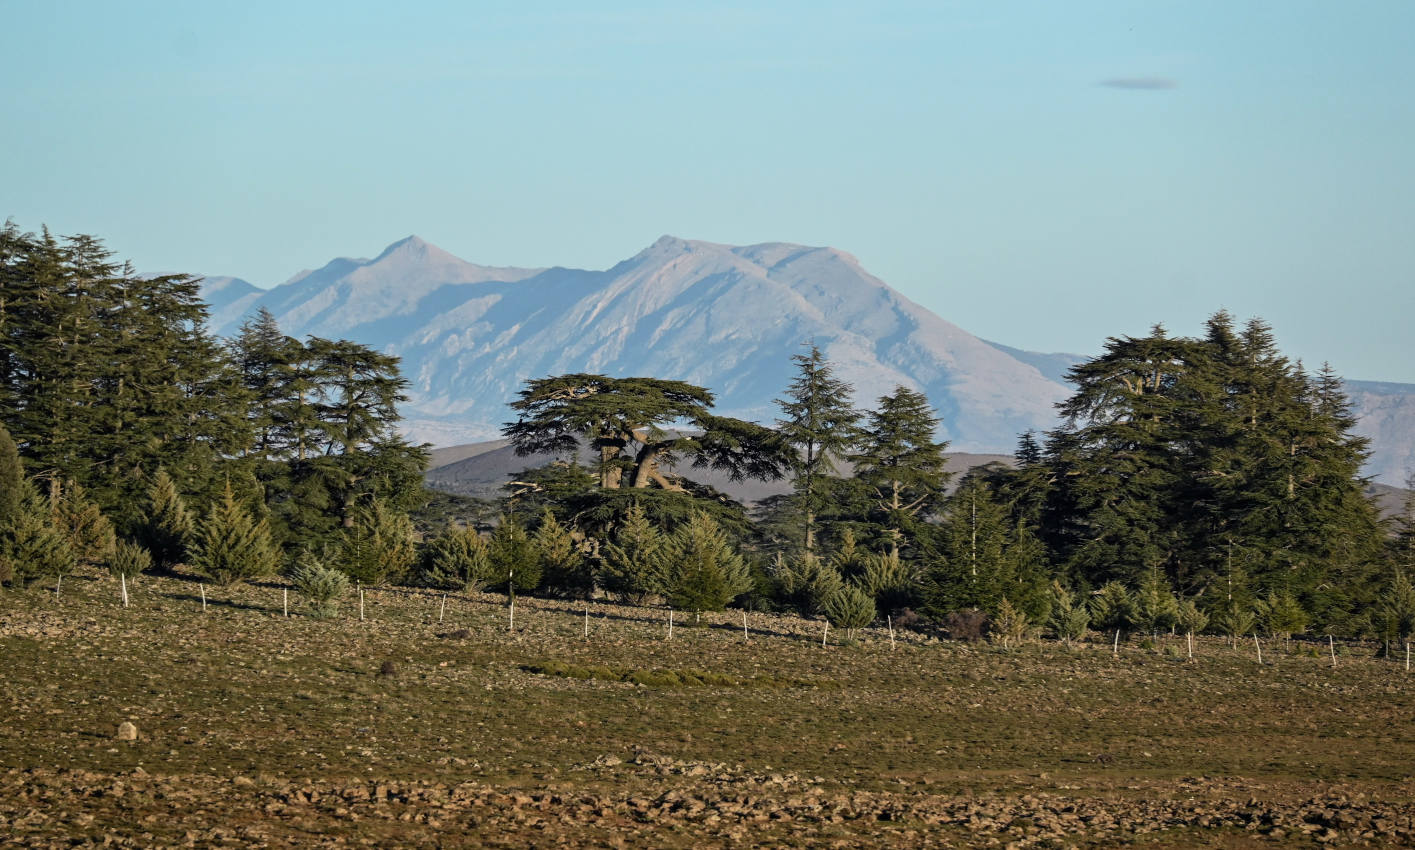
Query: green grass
(240, 690)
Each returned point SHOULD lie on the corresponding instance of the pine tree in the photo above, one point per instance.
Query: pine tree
(378, 547)
(1190, 619)
(805, 582)
(321, 586)
(90, 534)
(266, 360)
(106, 372)
(1113, 608)
(458, 559)
(33, 549)
(1155, 605)
(901, 464)
(167, 529)
(980, 555)
(514, 560)
(702, 572)
(1395, 612)
(819, 422)
(12, 480)
(1281, 615)
(564, 567)
(1069, 617)
(230, 546)
(129, 560)
(1009, 625)
(889, 582)
(849, 608)
(633, 558)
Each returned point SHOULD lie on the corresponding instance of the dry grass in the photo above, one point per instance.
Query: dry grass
(281, 731)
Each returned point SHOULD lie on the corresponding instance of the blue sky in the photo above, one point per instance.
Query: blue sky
(1042, 174)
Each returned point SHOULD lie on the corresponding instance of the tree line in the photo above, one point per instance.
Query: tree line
(1204, 483)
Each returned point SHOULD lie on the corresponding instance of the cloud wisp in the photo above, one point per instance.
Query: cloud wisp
(1140, 83)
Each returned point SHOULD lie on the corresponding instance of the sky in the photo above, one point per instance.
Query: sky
(1042, 174)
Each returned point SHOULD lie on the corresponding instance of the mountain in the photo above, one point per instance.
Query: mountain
(725, 317)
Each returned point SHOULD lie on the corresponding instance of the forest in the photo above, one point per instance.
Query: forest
(1191, 485)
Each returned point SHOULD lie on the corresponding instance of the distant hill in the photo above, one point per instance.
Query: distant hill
(480, 469)
(725, 317)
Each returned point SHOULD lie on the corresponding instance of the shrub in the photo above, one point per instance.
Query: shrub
(321, 587)
(1010, 624)
(1113, 608)
(129, 559)
(970, 625)
(458, 559)
(1069, 618)
(850, 608)
(805, 582)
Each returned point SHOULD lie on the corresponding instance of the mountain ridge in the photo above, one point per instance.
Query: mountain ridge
(723, 316)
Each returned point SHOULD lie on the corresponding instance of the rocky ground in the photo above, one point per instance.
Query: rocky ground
(425, 725)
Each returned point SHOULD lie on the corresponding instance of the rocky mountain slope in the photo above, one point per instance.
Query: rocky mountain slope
(726, 317)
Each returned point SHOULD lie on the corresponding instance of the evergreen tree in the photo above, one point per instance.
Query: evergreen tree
(805, 582)
(378, 547)
(129, 560)
(1113, 608)
(458, 559)
(564, 567)
(515, 563)
(33, 549)
(626, 422)
(90, 534)
(901, 464)
(266, 360)
(633, 558)
(849, 608)
(321, 586)
(1069, 617)
(167, 529)
(1281, 615)
(980, 555)
(12, 482)
(230, 546)
(1189, 618)
(1155, 605)
(702, 572)
(1395, 612)
(820, 424)
(889, 582)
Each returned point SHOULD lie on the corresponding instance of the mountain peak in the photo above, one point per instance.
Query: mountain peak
(411, 246)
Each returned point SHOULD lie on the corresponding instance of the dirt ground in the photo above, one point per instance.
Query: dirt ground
(429, 723)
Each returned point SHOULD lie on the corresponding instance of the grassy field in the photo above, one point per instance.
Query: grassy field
(407, 730)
